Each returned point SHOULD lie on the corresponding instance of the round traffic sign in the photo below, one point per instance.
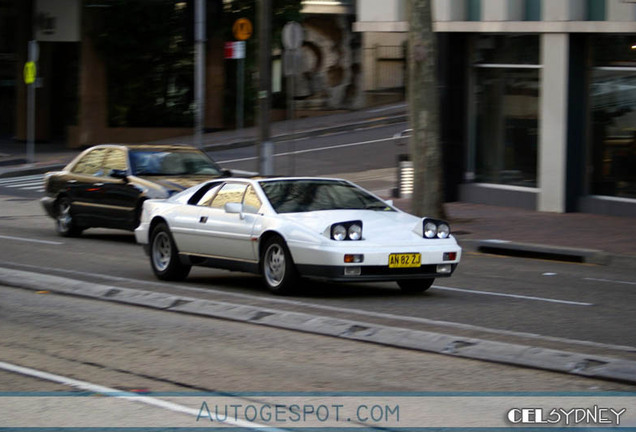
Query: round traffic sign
(29, 72)
(242, 29)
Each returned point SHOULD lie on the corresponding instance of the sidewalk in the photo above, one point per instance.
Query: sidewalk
(473, 224)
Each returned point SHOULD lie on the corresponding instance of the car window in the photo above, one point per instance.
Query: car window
(251, 201)
(115, 159)
(296, 196)
(229, 193)
(91, 163)
(206, 199)
(159, 162)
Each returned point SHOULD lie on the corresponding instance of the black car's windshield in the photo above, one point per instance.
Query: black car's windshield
(297, 196)
(171, 163)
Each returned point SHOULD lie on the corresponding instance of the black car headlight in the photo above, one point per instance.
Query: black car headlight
(347, 231)
(434, 228)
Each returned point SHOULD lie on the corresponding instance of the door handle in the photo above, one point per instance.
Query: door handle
(203, 219)
(98, 184)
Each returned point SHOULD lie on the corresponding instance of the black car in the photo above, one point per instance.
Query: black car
(106, 185)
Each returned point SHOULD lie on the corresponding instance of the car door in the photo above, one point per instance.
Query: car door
(82, 186)
(119, 198)
(224, 234)
(185, 223)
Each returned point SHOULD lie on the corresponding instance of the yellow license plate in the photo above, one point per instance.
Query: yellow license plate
(406, 260)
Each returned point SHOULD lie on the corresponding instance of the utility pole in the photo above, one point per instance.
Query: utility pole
(199, 74)
(425, 146)
(266, 147)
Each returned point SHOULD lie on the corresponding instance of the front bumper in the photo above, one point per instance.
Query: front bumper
(49, 206)
(372, 273)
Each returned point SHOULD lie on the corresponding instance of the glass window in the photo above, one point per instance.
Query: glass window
(507, 112)
(613, 135)
(115, 159)
(251, 201)
(473, 8)
(206, 199)
(229, 193)
(91, 163)
(172, 162)
(503, 50)
(596, 10)
(297, 196)
(533, 10)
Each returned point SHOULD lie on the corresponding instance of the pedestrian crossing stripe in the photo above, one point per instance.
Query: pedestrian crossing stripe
(30, 182)
(21, 179)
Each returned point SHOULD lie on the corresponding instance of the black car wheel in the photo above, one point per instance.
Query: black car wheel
(164, 256)
(64, 222)
(277, 267)
(413, 286)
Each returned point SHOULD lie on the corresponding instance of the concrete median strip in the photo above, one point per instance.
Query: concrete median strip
(592, 366)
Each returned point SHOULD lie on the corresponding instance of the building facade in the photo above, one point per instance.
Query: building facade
(538, 99)
(75, 89)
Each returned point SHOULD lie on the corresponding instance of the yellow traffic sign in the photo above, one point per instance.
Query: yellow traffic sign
(29, 72)
(242, 29)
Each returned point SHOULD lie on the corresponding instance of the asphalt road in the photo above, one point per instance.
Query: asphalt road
(583, 308)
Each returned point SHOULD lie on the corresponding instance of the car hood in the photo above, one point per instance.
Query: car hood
(376, 224)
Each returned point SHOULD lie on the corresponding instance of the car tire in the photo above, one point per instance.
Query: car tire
(64, 222)
(277, 267)
(414, 286)
(164, 255)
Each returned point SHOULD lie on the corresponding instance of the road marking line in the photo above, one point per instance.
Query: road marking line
(119, 394)
(310, 150)
(31, 240)
(517, 296)
(20, 179)
(610, 281)
(19, 185)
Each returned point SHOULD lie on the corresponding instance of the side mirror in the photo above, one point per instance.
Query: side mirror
(234, 208)
(119, 174)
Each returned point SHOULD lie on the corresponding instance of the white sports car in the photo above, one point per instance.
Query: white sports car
(286, 228)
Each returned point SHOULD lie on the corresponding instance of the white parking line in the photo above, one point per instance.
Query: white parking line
(313, 150)
(31, 240)
(610, 281)
(118, 394)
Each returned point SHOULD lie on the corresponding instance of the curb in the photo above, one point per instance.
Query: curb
(591, 366)
(540, 251)
(547, 252)
(401, 118)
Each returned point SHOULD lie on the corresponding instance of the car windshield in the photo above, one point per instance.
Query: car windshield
(297, 196)
(172, 163)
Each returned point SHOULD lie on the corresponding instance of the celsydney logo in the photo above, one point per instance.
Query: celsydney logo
(571, 416)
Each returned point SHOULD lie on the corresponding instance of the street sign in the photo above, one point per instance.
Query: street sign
(293, 35)
(235, 50)
(30, 72)
(242, 29)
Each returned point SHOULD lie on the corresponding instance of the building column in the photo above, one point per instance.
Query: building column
(553, 124)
